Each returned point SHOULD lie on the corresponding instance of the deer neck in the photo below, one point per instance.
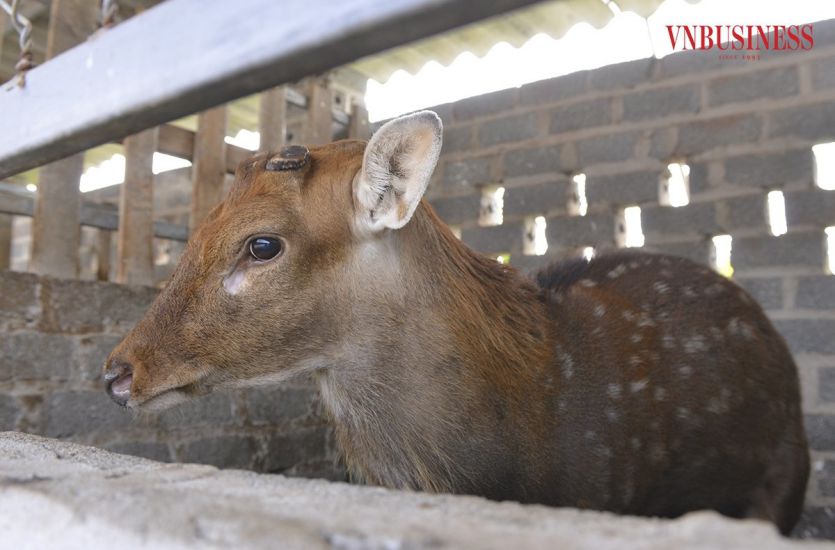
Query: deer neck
(456, 331)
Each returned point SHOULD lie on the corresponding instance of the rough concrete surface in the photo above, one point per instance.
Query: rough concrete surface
(65, 495)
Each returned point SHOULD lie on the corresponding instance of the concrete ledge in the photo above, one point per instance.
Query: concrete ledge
(65, 495)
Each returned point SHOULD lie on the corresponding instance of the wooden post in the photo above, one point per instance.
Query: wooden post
(272, 119)
(209, 169)
(319, 122)
(135, 244)
(55, 225)
(359, 128)
(103, 255)
(5, 239)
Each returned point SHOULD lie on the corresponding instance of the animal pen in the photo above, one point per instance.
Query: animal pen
(726, 162)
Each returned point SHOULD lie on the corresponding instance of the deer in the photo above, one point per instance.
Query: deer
(634, 383)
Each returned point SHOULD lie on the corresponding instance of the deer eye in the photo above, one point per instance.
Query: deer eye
(264, 248)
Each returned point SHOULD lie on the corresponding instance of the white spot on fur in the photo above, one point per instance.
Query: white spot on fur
(695, 344)
(599, 311)
(638, 385)
(628, 315)
(688, 292)
(612, 415)
(686, 371)
(637, 337)
(668, 341)
(588, 283)
(634, 264)
(661, 287)
(659, 393)
(682, 413)
(617, 272)
(235, 283)
(590, 435)
(635, 361)
(567, 365)
(666, 273)
(614, 391)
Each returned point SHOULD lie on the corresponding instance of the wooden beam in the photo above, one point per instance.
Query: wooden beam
(55, 229)
(102, 216)
(179, 142)
(116, 85)
(209, 171)
(55, 223)
(5, 240)
(135, 240)
(318, 129)
(359, 127)
(272, 119)
(103, 247)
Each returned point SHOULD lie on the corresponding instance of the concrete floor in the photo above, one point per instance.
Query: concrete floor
(65, 495)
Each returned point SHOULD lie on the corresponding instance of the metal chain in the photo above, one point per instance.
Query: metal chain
(24, 30)
(109, 13)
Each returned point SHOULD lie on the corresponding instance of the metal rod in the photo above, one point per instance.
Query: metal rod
(205, 53)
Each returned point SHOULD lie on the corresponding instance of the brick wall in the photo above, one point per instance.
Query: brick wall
(54, 337)
(744, 128)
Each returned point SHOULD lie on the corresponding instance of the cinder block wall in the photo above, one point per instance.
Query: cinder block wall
(744, 128)
(54, 337)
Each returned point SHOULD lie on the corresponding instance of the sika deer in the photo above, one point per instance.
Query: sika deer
(635, 383)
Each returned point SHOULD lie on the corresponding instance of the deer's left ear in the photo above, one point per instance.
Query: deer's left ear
(398, 163)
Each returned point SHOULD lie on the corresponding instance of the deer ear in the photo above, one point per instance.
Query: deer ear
(399, 160)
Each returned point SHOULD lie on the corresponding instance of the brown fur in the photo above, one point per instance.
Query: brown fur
(634, 383)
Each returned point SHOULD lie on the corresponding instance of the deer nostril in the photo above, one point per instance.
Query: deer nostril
(118, 378)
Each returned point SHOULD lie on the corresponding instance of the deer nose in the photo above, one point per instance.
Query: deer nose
(118, 377)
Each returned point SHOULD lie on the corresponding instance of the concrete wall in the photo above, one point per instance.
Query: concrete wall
(743, 127)
(54, 337)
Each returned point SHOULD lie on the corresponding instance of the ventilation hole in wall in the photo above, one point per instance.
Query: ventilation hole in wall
(825, 165)
(503, 258)
(587, 252)
(674, 188)
(777, 213)
(536, 241)
(578, 205)
(628, 230)
(456, 230)
(830, 249)
(492, 205)
(721, 260)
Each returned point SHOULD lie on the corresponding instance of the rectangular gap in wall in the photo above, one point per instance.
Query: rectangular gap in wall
(628, 230)
(825, 165)
(587, 252)
(536, 241)
(578, 205)
(503, 258)
(492, 206)
(674, 187)
(721, 260)
(777, 213)
(830, 249)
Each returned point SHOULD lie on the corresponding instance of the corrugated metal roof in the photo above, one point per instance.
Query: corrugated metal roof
(554, 17)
